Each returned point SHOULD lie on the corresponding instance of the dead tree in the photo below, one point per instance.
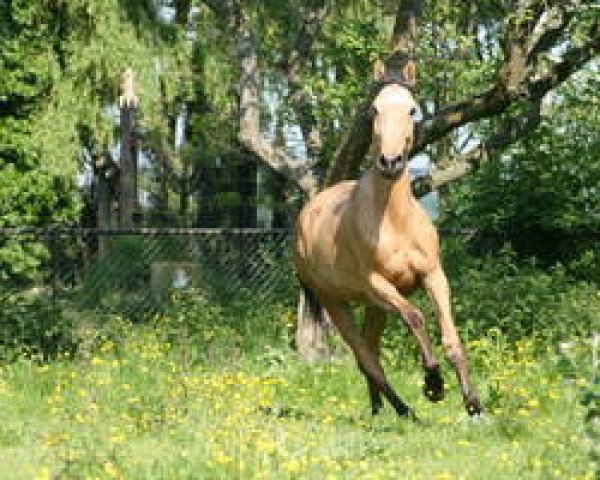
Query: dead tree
(128, 191)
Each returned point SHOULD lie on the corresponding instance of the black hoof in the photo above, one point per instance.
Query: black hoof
(473, 407)
(434, 386)
(406, 412)
(376, 408)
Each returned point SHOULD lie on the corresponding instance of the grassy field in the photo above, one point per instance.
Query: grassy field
(155, 402)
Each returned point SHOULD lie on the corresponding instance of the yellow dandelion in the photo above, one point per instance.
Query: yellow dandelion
(44, 474)
(110, 469)
(292, 466)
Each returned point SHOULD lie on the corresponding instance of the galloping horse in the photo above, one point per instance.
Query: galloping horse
(370, 241)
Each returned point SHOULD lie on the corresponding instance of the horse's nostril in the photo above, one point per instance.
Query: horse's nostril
(389, 162)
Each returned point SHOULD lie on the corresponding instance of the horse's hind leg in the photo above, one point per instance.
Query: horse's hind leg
(373, 327)
(366, 359)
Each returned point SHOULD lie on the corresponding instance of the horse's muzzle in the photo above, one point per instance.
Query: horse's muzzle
(391, 168)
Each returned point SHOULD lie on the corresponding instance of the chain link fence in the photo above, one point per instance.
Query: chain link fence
(133, 272)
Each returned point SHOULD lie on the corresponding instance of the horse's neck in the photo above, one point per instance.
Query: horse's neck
(390, 199)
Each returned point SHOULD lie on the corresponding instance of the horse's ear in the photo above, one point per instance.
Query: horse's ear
(379, 70)
(409, 72)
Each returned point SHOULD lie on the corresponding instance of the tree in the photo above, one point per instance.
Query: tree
(489, 65)
(547, 183)
(237, 76)
(61, 63)
(518, 68)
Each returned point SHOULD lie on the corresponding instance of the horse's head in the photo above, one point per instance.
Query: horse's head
(395, 113)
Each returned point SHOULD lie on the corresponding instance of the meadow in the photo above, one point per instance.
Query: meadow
(204, 392)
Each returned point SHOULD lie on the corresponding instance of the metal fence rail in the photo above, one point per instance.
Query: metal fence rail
(132, 272)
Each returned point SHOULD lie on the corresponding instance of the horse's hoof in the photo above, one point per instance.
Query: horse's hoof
(474, 408)
(479, 419)
(405, 411)
(434, 386)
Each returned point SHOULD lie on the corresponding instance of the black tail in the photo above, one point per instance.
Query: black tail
(312, 303)
(313, 327)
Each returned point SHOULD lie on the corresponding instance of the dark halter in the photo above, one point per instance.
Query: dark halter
(377, 85)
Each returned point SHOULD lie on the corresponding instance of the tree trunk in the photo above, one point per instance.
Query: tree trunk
(128, 158)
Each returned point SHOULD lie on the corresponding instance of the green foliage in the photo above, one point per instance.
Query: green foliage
(592, 401)
(497, 295)
(520, 299)
(212, 332)
(61, 64)
(30, 325)
(346, 55)
(184, 398)
(21, 261)
(542, 196)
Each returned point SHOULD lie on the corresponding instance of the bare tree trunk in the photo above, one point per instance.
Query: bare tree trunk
(128, 159)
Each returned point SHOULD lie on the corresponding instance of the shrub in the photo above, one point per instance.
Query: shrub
(30, 324)
(208, 331)
(519, 297)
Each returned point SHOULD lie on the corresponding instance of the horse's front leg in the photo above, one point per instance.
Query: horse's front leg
(438, 290)
(385, 295)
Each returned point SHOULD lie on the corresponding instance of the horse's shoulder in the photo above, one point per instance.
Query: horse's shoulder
(341, 188)
(330, 198)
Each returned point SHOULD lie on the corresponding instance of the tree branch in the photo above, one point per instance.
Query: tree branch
(517, 79)
(572, 60)
(357, 139)
(310, 30)
(249, 134)
(512, 129)
(222, 8)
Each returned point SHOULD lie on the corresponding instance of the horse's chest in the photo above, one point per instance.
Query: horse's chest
(398, 267)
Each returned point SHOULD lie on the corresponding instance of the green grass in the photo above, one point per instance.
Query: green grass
(141, 403)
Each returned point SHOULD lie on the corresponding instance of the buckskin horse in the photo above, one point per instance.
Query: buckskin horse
(370, 241)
